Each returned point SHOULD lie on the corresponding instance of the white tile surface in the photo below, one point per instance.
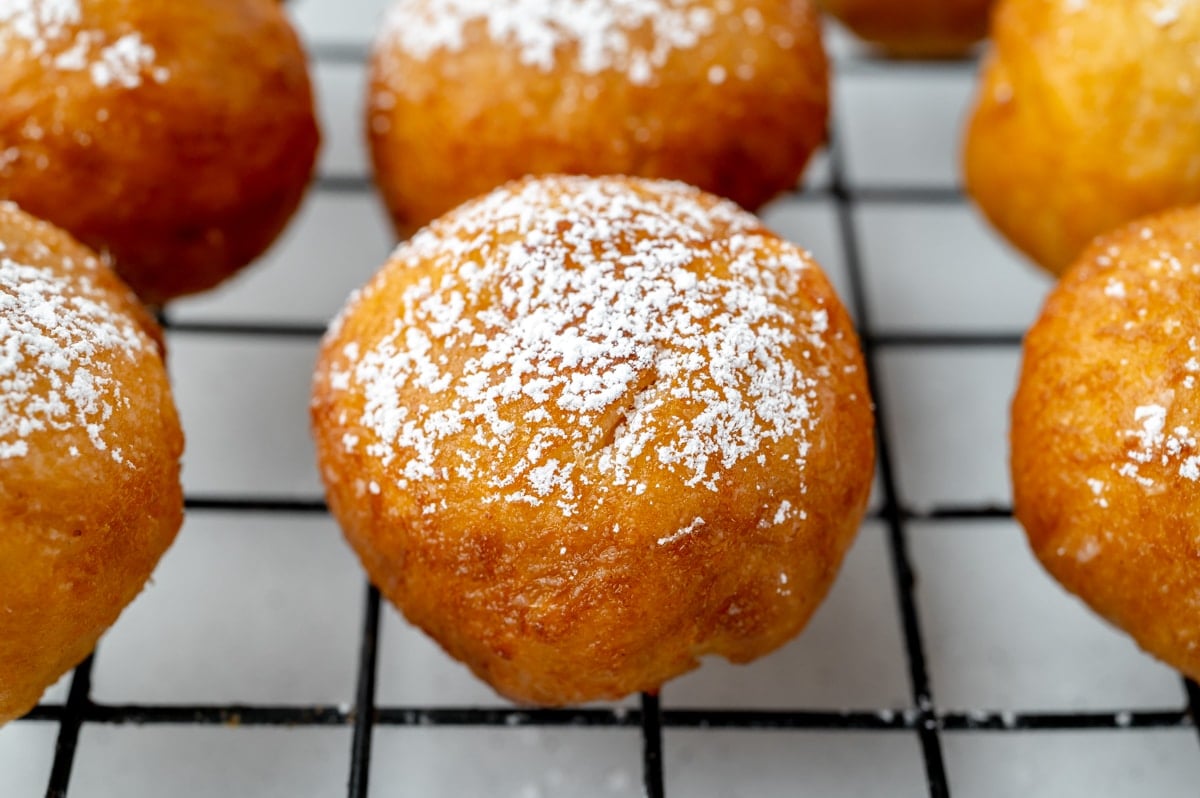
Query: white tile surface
(26, 755)
(1146, 762)
(523, 762)
(851, 656)
(341, 89)
(760, 764)
(938, 268)
(902, 124)
(415, 672)
(946, 413)
(255, 609)
(243, 403)
(57, 692)
(335, 244)
(341, 23)
(813, 225)
(208, 761)
(1001, 634)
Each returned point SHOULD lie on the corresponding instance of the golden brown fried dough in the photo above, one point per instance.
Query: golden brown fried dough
(584, 432)
(1087, 117)
(915, 28)
(1105, 460)
(729, 95)
(179, 136)
(89, 454)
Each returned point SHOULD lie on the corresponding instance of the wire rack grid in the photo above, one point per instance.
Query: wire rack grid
(974, 738)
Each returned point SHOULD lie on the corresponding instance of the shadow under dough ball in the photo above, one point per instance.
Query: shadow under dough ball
(728, 95)
(178, 137)
(915, 28)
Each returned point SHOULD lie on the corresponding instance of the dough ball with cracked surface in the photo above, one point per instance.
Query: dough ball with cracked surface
(585, 431)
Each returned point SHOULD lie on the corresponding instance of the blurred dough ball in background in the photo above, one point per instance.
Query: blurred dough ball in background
(177, 136)
(728, 95)
(1088, 116)
(915, 28)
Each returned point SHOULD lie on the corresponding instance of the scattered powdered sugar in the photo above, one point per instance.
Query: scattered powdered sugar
(682, 533)
(608, 33)
(55, 341)
(1151, 442)
(1166, 12)
(59, 38)
(577, 311)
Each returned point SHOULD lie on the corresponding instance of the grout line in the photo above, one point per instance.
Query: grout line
(344, 184)
(244, 328)
(364, 701)
(255, 504)
(68, 730)
(905, 720)
(935, 771)
(949, 339)
(652, 756)
(1193, 701)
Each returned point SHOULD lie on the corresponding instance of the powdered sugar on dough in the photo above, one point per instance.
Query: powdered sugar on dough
(600, 305)
(58, 36)
(56, 342)
(633, 36)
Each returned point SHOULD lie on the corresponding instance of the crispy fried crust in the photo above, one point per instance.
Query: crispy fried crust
(1086, 119)
(1104, 450)
(915, 28)
(738, 111)
(570, 500)
(177, 136)
(89, 455)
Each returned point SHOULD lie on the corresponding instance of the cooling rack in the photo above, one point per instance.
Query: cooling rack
(944, 661)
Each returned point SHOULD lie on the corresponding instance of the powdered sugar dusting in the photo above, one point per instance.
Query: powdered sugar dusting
(1166, 12)
(55, 342)
(59, 37)
(601, 307)
(1153, 443)
(606, 32)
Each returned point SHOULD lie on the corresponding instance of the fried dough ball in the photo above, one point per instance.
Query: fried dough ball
(1105, 459)
(89, 454)
(728, 95)
(915, 28)
(177, 136)
(584, 431)
(1087, 117)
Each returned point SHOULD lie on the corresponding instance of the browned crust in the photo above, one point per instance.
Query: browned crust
(79, 535)
(184, 181)
(553, 610)
(1085, 119)
(1117, 334)
(915, 28)
(459, 124)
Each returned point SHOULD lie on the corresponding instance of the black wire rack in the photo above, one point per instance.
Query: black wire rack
(922, 717)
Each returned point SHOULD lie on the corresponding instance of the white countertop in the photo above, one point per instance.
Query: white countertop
(263, 607)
